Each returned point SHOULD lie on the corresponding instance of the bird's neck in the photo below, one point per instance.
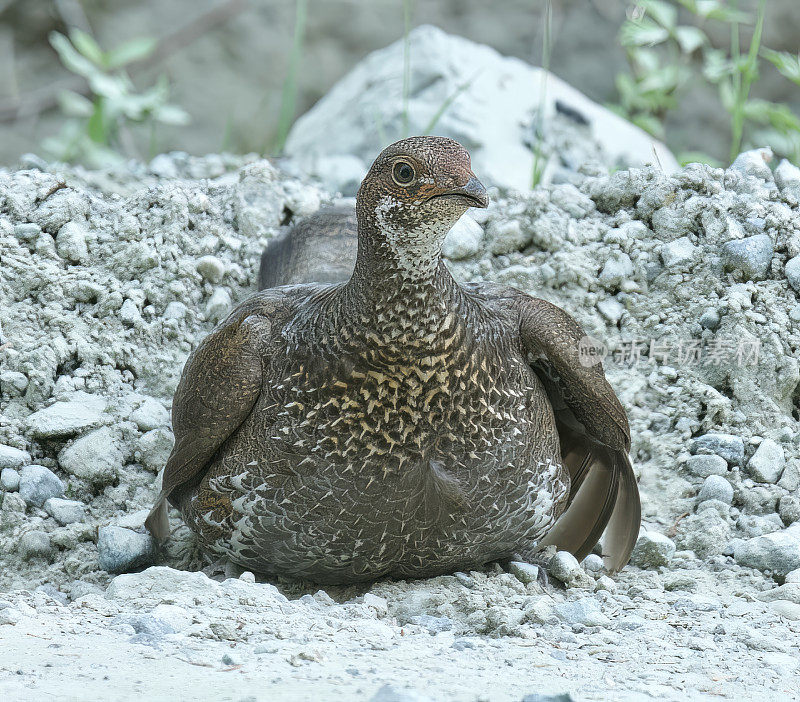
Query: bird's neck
(400, 290)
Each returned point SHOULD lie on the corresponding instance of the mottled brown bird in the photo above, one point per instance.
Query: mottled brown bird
(396, 422)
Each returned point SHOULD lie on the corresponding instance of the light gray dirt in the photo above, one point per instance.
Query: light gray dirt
(109, 279)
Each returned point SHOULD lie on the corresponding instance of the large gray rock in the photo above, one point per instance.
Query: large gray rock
(95, 457)
(778, 552)
(64, 419)
(494, 100)
(120, 550)
(38, 484)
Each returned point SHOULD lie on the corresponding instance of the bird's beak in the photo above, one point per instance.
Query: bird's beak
(472, 193)
(475, 192)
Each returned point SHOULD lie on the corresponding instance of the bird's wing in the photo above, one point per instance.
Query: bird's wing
(220, 384)
(319, 249)
(594, 434)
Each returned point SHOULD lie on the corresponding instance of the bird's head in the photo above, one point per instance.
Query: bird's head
(414, 193)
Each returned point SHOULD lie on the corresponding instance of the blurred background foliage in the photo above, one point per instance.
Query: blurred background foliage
(94, 81)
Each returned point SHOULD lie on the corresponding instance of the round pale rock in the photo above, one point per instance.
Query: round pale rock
(211, 268)
(751, 255)
(71, 243)
(767, 463)
(150, 415)
(524, 572)
(715, 487)
(565, 567)
(38, 484)
(652, 550)
(120, 550)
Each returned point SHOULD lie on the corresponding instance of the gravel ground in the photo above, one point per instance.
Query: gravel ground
(109, 279)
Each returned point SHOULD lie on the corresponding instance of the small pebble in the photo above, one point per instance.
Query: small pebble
(524, 572)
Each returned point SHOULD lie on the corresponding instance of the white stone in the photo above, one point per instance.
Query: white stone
(792, 272)
(65, 511)
(9, 479)
(64, 419)
(494, 95)
(211, 268)
(464, 240)
(95, 457)
(767, 463)
(120, 550)
(38, 484)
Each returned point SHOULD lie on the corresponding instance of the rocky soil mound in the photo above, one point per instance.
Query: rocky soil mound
(689, 281)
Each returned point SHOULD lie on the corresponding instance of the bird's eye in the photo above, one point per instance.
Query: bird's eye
(403, 173)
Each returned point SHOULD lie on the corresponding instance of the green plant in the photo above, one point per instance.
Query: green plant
(289, 94)
(98, 132)
(661, 53)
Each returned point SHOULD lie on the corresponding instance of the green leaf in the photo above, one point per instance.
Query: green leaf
(72, 60)
(779, 116)
(74, 104)
(86, 44)
(650, 124)
(690, 38)
(642, 33)
(788, 64)
(133, 50)
(97, 124)
(662, 12)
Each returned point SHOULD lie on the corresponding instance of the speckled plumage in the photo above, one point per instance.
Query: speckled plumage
(397, 423)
